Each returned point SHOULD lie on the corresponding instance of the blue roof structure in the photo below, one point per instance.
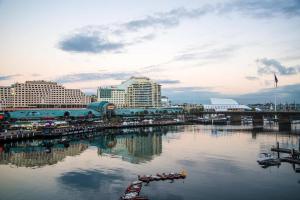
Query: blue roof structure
(134, 111)
(98, 106)
(43, 113)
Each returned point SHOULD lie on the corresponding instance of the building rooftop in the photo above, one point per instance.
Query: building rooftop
(218, 101)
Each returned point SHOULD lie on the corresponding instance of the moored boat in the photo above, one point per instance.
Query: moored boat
(267, 159)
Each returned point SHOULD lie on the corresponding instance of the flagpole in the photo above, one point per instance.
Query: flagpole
(275, 86)
(274, 93)
(275, 102)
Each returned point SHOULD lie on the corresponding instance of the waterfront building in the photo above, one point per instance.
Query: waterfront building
(41, 94)
(190, 108)
(165, 102)
(141, 92)
(123, 112)
(112, 94)
(225, 105)
(136, 92)
(105, 108)
(94, 98)
(40, 114)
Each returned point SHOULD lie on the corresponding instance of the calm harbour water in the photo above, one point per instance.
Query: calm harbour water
(221, 164)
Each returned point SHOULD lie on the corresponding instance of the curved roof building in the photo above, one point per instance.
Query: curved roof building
(218, 104)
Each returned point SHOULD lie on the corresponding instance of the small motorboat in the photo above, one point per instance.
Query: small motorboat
(155, 178)
(162, 176)
(146, 178)
(136, 182)
(130, 195)
(267, 159)
(134, 188)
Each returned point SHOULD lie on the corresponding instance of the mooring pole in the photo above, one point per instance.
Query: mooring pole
(277, 146)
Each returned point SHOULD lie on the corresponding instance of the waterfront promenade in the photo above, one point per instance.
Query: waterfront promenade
(11, 135)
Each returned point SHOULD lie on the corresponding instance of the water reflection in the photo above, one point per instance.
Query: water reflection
(220, 161)
(37, 156)
(93, 179)
(132, 145)
(132, 148)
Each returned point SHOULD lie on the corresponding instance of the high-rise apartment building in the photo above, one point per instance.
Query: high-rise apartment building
(141, 92)
(113, 95)
(41, 94)
(136, 92)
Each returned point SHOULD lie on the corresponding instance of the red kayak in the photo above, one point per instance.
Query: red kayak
(134, 188)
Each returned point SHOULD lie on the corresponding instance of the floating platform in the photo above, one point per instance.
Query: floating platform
(132, 192)
(290, 160)
(283, 150)
(162, 177)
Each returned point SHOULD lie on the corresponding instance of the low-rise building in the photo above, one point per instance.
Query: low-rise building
(41, 94)
(225, 105)
(112, 94)
(165, 102)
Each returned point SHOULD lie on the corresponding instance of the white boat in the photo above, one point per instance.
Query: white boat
(136, 182)
(267, 159)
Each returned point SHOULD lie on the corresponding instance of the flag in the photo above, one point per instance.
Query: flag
(275, 79)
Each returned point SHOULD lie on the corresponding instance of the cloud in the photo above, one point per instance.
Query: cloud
(88, 43)
(114, 37)
(252, 78)
(288, 93)
(263, 8)
(167, 19)
(189, 94)
(167, 81)
(270, 66)
(82, 77)
(8, 77)
(207, 54)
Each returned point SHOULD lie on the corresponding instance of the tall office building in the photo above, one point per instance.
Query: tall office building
(41, 94)
(141, 92)
(112, 94)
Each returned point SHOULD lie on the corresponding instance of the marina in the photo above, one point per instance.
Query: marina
(89, 166)
(149, 100)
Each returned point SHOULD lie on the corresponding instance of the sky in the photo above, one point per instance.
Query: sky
(194, 49)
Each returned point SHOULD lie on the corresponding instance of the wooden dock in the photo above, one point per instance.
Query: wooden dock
(294, 155)
(283, 150)
(290, 160)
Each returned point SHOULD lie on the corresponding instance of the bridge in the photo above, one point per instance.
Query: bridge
(285, 118)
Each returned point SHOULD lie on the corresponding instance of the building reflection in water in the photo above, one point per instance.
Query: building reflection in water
(132, 145)
(38, 156)
(134, 148)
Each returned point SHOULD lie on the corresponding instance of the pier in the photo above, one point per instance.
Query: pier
(284, 118)
(294, 155)
(83, 129)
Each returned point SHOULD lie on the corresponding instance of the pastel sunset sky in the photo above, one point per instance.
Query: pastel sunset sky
(195, 49)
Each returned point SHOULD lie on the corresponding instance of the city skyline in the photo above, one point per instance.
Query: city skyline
(202, 49)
